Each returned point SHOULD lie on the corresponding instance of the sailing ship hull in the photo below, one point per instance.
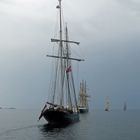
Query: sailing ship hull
(83, 110)
(60, 116)
(106, 109)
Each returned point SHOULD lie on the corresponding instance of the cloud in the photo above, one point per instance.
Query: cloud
(132, 5)
(108, 31)
(31, 9)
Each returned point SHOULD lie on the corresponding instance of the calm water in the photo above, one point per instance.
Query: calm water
(96, 125)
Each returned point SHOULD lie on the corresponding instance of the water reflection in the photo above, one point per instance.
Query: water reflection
(49, 130)
(52, 127)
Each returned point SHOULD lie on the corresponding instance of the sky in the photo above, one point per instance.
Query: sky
(108, 32)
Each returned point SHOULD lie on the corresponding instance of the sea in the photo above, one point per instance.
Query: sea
(23, 124)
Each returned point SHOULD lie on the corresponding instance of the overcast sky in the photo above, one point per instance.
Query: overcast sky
(109, 35)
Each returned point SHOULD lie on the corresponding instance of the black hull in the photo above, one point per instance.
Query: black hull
(83, 110)
(106, 110)
(60, 117)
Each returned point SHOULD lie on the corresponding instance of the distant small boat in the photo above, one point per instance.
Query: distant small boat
(107, 104)
(83, 101)
(125, 107)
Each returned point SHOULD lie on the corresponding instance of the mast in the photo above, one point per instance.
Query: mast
(61, 51)
(63, 63)
(67, 73)
(80, 94)
(85, 94)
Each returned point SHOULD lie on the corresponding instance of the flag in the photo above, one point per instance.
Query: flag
(68, 69)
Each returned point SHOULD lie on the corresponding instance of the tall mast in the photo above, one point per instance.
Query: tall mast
(68, 65)
(62, 59)
(61, 55)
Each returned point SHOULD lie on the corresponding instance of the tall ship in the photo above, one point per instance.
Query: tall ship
(107, 104)
(62, 107)
(83, 98)
(124, 106)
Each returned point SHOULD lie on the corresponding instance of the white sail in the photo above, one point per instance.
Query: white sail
(83, 97)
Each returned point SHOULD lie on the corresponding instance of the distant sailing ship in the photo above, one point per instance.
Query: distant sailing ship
(107, 104)
(125, 106)
(83, 101)
(63, 107)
